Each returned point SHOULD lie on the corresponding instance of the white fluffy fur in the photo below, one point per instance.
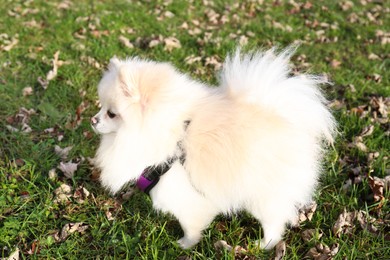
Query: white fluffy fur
(254, 143)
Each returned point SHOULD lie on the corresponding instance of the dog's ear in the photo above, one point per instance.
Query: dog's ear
(114, 63)
(129, 83)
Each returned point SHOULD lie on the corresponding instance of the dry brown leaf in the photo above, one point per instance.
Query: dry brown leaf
(109, 215)
(12, 129)
(81, 194)
(32, 24)
(213, 61)
(346, 5)
(10, 45)
(306, 212)
(377, 185)
(367, 131)
(280, 250)
(358, 143)
(323, 252)
(221, 245)
(62, 193)
(335, 63)
(153, 43)
(62, 152)
(43, 82)
(243, 40)
(53, 73)
(20, 120)
(52, 174)
(372, 156)
(90, 61)
(69, 229)
(336, 104)
(381, 104)
(65, 5)
(171, 43)
(345, 223)
(27, 91)
(192, 59)
(126, 42)
(68, 168)
(309, 234)
(373, 56)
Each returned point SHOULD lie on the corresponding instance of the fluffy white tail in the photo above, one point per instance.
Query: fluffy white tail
(264, 78)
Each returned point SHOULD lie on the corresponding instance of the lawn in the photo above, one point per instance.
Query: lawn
(52, 55)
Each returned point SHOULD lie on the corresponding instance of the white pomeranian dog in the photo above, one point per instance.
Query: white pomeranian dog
(254, 143)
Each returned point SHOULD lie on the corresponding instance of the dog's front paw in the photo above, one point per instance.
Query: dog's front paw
(187, 243)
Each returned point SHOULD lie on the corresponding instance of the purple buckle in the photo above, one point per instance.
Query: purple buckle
(143, 183)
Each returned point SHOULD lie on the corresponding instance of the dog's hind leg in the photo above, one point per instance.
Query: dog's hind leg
(273, 218)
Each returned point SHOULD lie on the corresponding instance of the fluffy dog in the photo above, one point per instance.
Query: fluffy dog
(254, 143)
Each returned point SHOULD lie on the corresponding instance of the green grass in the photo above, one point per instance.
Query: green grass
(29, 215)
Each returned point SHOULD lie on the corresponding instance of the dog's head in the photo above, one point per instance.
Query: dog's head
(129, 90)
(143, 109)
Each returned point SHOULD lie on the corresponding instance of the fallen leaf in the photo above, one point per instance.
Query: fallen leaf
(171, 43)
(323, 252)
(81, 194)
(62, 152)
(12, 129)
(358, 143)
(154, 43)
(12, 44)
(192, 59)
(68, 168)
(335, 63)
(243, 40)
(306, 212)
(377, 184)
(381, 105)
(62, 193)
(346, 5)
(309, 234)
(69, 229)
(345, 223)
(65, 5)
(372, 156)
(126, 42)
(43, 82)
(90, 61)
(52, 174)
(373, 56)
(53, 73)
(109, 215)
(367, 131)
(221, 245)
(280, 250)
(32, 24)
(213, 61)
(27, 91)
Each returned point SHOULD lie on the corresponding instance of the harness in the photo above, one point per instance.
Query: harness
(151, 175)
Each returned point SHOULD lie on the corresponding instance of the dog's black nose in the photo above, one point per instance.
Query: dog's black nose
(94, 120)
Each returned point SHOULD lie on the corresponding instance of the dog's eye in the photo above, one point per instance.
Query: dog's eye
(110, 114)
